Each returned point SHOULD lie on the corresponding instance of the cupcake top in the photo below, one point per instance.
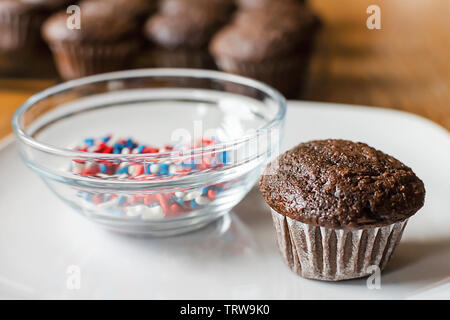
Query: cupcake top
(273, 30)
(47, 3)
(22, 6)
(179, 7)
(341, 184)
(259, 3)
(101, 21)
(134, 8)
(187, 23)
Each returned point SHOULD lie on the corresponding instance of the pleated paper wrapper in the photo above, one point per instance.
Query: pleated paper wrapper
(335, 254)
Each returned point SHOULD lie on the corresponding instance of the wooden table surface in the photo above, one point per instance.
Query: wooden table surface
(404, 66)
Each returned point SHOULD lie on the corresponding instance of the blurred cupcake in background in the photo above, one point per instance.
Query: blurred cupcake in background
(138, 9)
(108, 36)
(259, 3)
(20, 22)
(182, 29)
(271, 43)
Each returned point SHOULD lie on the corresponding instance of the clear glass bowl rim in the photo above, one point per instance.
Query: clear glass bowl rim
(145, 73)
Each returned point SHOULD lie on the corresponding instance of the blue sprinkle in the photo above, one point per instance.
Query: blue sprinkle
(164, 169)
(106, 138)
(89, 142)
(140, 148)
(189, 165)
(102, 168)
(123, 170)
(115, 211)
(118, 147)
(122, 200)
(224, 157)
(87, 196)
(193, 204)
(178, 200)
(204, 191)
(130, 144)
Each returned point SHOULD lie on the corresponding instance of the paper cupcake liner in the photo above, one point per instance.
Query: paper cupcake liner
(334, 254)
(75, 60)
(286, 74)
(18, 32)
(182, 58)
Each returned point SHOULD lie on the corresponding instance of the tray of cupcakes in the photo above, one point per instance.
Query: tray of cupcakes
(267, 40)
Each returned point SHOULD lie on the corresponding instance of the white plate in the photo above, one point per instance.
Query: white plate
(43, 244)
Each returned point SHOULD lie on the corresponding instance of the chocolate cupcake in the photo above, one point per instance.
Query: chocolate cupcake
(182, 29)
(108, 37)
(339, 207)
(138, 9)
(20, 22)
(180, 7)
(270, 43)
(259, 3)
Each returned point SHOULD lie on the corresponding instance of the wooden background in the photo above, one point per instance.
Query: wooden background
(405, 65)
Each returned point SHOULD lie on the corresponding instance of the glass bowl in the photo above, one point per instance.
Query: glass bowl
(213, 132)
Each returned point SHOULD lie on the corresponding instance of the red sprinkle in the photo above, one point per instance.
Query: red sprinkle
(138, 170)
(151, 150)
(91, 170)
(100, 148)
(211, 194)
(108, 149)
(174, 210)
(163, 202)
(97, 199)
(149, 199)
(207, 141)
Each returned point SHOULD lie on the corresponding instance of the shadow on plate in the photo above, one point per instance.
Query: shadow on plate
(419, 261)
(233, 235)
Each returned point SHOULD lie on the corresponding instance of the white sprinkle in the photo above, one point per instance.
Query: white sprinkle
(202, 200)
(103, 175)
(77, 167)
(123, 164)
(154, 168)
(135, 211)
(192, 195)
(173, 168)
(125, 151)
(180, 194)
(153, 213)
(146, 213)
